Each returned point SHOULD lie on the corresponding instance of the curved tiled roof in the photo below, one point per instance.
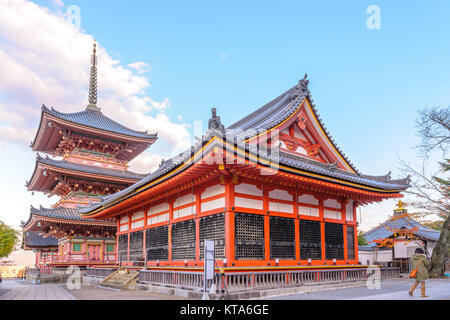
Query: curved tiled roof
(284, 158)
(96, 119)
(68, 214)
(385, 230)
(32, 239)
(63, 164)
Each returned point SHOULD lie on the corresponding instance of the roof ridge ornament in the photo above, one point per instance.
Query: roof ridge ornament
(214, 122)
(303, 84)
(93, 82)
(301, 89)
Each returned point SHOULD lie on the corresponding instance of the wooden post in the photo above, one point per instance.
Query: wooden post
(229, 222)
(322, 229)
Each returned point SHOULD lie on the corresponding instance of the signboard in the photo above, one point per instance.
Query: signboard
(209, 259)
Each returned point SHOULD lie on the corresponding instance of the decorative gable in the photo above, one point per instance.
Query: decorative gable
(302, 135)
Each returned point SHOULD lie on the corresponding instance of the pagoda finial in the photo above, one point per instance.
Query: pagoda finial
(93, 82)
(401, 207)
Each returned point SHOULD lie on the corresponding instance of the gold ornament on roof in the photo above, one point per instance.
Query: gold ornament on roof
(401, 205)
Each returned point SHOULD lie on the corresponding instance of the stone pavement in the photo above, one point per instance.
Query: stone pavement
(95, 293)
(390, 290)
(25, 290)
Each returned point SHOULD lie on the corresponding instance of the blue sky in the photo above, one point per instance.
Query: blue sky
(367, 84)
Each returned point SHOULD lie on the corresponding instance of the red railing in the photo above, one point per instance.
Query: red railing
(80, 259)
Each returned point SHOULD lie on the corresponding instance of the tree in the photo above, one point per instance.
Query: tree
(361, 239)
(8, 239)
(431, 191)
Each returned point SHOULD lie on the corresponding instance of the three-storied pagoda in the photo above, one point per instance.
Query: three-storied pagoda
(273, 190)
(92, 153)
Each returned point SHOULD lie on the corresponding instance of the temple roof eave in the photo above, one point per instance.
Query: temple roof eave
(46, 137)
(60, 215)
(65, 167)
(169, 167)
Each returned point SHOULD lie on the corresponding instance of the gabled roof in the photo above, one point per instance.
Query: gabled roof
(105, 173)
(32, 239)
(387, 229)
(282, 108)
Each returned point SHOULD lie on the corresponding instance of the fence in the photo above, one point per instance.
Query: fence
(242, 281)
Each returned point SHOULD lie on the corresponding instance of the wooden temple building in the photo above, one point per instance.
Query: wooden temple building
(271, 190)
(90, 154)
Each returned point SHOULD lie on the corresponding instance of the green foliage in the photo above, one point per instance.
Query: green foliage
(362, 239)
(8, 239)
(436, 225)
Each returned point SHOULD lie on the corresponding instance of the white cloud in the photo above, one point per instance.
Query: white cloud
(44, 59)
(140, 67)
(145, 163)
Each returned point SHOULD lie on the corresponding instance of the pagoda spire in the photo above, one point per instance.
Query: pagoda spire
(93, 82)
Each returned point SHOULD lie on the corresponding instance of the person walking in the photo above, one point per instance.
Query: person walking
(421, 264)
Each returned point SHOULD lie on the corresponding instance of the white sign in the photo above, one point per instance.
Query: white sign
(209, 259)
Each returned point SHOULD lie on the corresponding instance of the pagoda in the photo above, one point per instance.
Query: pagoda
(89, 158)
(273, 190)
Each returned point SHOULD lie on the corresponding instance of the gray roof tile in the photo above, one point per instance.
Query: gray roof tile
(384, 230)
(32, 239)
(63, 164)
(96, 119)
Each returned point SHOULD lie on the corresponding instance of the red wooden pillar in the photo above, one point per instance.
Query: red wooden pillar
(297, 227)
(344, 227)
(144, 250)
(170, 230)
(322, 228)
(198, 210)
(128, 234)
(266, 225)
(197, 239)
(230, 220)
(355, 231)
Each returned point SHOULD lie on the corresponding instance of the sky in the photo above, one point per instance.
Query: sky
(164, 64)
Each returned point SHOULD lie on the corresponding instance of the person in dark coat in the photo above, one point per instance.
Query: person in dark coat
(421, 263)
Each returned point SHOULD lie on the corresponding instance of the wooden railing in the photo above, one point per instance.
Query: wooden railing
(99, 272)
(243, 281)
(81, 259)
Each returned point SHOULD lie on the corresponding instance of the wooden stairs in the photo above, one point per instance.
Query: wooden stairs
(121, 279)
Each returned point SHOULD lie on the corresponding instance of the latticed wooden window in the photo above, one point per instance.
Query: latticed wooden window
(282, 238)
(213, 228)
(350, 243)
(249, 236)
(183, 240)
(136, 245)
(157, 243)
(334, 241)
(310, 240)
